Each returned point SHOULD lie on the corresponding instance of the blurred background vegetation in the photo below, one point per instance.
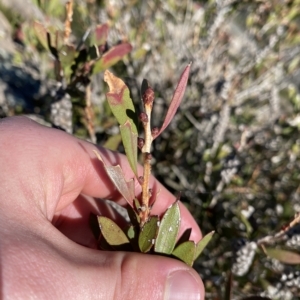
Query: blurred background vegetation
(232, 149)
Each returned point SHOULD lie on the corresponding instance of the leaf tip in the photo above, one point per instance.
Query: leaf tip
(98, 155)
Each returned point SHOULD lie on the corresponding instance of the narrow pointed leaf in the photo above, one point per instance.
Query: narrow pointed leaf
(176, 100)
(148, 234)
(112, 233)
(203, 243)
(168, 230)
(284, 256)
(129, 139)
(116, 175)
(111, 57)
(185, 252)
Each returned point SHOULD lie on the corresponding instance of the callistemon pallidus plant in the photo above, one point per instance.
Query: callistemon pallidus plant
(147, 233)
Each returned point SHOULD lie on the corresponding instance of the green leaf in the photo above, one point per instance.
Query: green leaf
(203, 243)
(129, 139)
(112, 233)
(116, 175)
(111, 57)
(148, 234)
(168, 230)
(186, 252)
(284, 256)
(131, 232)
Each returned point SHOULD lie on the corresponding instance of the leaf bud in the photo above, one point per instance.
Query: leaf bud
(140, 143)
(143, 117)
(154, 132)
(148, 96)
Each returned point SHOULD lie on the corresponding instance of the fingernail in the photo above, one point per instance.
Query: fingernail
(182, 285)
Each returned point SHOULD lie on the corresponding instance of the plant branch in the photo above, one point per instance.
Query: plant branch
(145, 117)
(68, 22)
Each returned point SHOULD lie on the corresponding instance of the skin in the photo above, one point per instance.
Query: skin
(48, 184)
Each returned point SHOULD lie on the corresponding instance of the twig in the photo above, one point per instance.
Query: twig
(145, 117)
(269, 239)
(68, 22)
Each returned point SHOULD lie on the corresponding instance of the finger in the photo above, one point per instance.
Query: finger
(76, 272)
(62, 167)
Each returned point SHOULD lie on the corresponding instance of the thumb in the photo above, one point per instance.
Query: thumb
(122, 275)
(138, 276)
(48, 265)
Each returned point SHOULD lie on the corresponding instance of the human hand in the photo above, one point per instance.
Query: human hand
(47, 183)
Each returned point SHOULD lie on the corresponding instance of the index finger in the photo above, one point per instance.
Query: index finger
(63, 166)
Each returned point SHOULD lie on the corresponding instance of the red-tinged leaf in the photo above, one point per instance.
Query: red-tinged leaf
(41, 33)
(101, 33)
(119, 101)
(284, 256)
(111, 57)
(129, 139)
(116, 175)
(176, 100)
